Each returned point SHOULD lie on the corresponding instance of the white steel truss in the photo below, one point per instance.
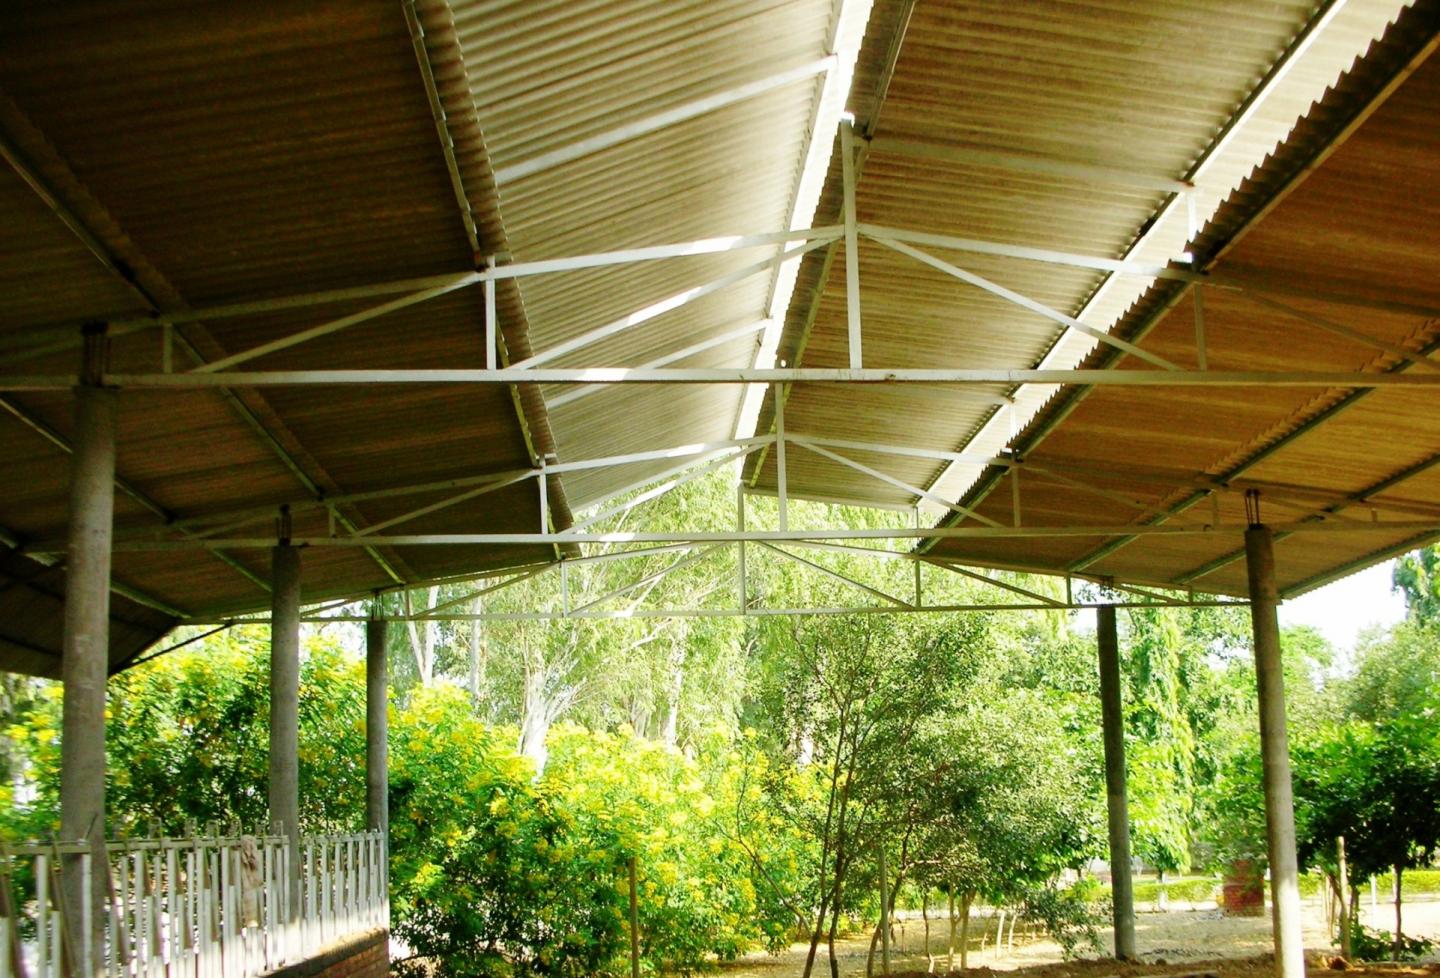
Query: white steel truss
(217, 532)
(1004, 592)
(793, 244)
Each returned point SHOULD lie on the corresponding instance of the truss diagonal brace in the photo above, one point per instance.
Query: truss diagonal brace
(1024, 302)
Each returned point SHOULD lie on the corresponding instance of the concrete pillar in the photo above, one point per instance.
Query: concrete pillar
(85, 661)
(1112, 719)
(1275, 754)
(377, 776)
(285, 707)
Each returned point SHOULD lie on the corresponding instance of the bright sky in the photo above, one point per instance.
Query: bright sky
(1343, 609)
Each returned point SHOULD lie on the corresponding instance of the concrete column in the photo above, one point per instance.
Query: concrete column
(1112, 719)
(1275, 754)
(85, 661)
(285, 707)
(377, 776)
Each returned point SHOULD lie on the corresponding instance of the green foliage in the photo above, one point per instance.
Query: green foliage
(1380, 945)
(1414, 882)
(1184, 696)
(1072, 915)
(187, 736)
(1398, 674)
(754, 769)
(1415, 577)
(488, 873)
(497, 873)
(698, 897)
(1002, 816)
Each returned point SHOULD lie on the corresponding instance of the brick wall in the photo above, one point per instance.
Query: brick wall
(364, 956)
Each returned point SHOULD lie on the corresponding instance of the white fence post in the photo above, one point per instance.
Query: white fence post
(199, 907)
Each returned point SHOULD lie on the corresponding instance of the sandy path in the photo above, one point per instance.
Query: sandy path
(1179, 935)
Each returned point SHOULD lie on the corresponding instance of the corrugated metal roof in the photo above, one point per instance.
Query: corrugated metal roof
(553, 75)
(340, 144)
(1098, 84)
(1354, 226)
(285, 152)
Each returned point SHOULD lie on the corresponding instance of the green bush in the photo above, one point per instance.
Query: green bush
(1071, 915)
(496, 873)
(1183, 890)
(488, 874)
(1418, 882)
(1379, 945)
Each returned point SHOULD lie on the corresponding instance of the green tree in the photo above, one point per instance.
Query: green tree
(187, 741)
(1010, 805)
(848, 697)
(1415, 577)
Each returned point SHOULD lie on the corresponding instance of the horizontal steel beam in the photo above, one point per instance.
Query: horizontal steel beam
(773, 536)
(751, 612)
(735, 375)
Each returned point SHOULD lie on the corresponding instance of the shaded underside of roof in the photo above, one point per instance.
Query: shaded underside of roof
(1124, 456)
(1336, 227)
(196, 158)
(287, 151)
(548, 76)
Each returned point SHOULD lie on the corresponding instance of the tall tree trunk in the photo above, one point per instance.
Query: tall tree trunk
(535, 723)
(1342, 890)
(422, 640)
(815, 935)
(925, 916)
(965, 929)
(1399, 937)
(830, 940)
(670, 732)
(478, 655)
(536, 713)
(950, 966)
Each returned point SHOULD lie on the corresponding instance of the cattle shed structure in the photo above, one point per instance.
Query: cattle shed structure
(336, 298)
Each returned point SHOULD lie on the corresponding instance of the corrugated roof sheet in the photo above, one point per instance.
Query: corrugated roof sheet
(1098, 84)
(553, 75)
(285, 152)
(1353, 226)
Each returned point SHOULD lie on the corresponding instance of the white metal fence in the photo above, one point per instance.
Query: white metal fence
(203, 907)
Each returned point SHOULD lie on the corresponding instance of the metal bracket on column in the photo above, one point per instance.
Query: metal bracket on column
(284, 526)
(1252, 507)
(95, 354)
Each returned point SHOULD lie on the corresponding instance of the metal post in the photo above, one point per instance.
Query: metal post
(377, 783)
(1275, 754)
(85, 662)
(285, 700)
(1112, 719)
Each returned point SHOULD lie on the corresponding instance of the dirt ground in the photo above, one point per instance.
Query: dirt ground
(1186, 941)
